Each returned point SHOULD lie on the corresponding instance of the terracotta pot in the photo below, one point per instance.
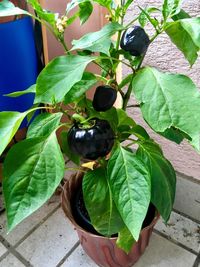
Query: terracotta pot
(102, 250)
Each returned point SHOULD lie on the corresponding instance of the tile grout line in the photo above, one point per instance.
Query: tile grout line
(75, 246)
(186, 216)
(188, 178)
(11, 250)
(175, 242)
(197, 262)
(36, 226)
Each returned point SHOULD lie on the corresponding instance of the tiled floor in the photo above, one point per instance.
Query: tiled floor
(46, 239)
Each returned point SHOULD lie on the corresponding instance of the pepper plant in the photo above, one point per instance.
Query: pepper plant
(119, 182)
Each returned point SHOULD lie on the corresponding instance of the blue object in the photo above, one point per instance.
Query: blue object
(18, 64)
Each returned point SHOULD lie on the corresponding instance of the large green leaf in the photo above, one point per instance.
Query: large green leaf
(58, 77)
(131, 188)
(163, 177)
(181, 15)
(185, 34)
(78, 89)
(168, 100)
(99, 203)
(44, 124)
(9, 124)
(98, 41)
(85, 11)
(125, 240)
(33, 169)
(7, 8)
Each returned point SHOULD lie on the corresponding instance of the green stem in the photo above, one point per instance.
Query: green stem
(99, 77)
(62, 41)
(130, 23)
(119, 60)
(127, 95)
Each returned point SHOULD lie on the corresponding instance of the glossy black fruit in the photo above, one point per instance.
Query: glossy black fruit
(104, 98)
(91, 143)
(135, 40)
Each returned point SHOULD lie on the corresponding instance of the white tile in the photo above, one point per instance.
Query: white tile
(11, 260)
(79, 258)
(2, 250)
(182, 230)
(163, 253)
(188, 197)
(50, 242)
(24, 227)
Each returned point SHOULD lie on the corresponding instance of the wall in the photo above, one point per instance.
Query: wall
(165, 56)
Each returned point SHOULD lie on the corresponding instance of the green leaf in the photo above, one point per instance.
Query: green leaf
(153, 21)
(58, 77)
(139, 132)
(125, 240)
(78, 89)
(65, 148)
(168, 100)
(163, 177)
(131, 187)
(105, 3)
(124, 119)
(181, 15)
(31, 89)
(7, 8)
(126, 80)
(99, 203)
(170, 8)
(44, 124)
(174, 135)
(97, 41)
(74, 3)
(86, 9)
(42, 13)
(33, 169)
(143, 18)
(9, 124)
(185, 34)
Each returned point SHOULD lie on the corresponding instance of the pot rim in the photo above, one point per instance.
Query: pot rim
(77, 226)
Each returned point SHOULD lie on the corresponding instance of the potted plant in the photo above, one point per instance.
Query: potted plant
(121, 169)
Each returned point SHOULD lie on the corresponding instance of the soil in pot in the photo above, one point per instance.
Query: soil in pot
(82, 218)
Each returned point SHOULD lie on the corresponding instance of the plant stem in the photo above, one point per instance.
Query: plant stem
(133, 106)
(130, 23)
(127, 95)
(62, 41)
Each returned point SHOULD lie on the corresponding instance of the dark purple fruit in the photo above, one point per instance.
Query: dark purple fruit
(135, 40)
(91, 143)
(104, 98)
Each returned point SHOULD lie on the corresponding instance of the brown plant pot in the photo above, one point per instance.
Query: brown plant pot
(103, 250)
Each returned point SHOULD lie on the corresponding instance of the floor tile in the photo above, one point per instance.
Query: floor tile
(182, 230)
(11, 260)
(79, 258)
(50, 242)
(188, 197)
(2, 250)
(163, 253)
(23, 228)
